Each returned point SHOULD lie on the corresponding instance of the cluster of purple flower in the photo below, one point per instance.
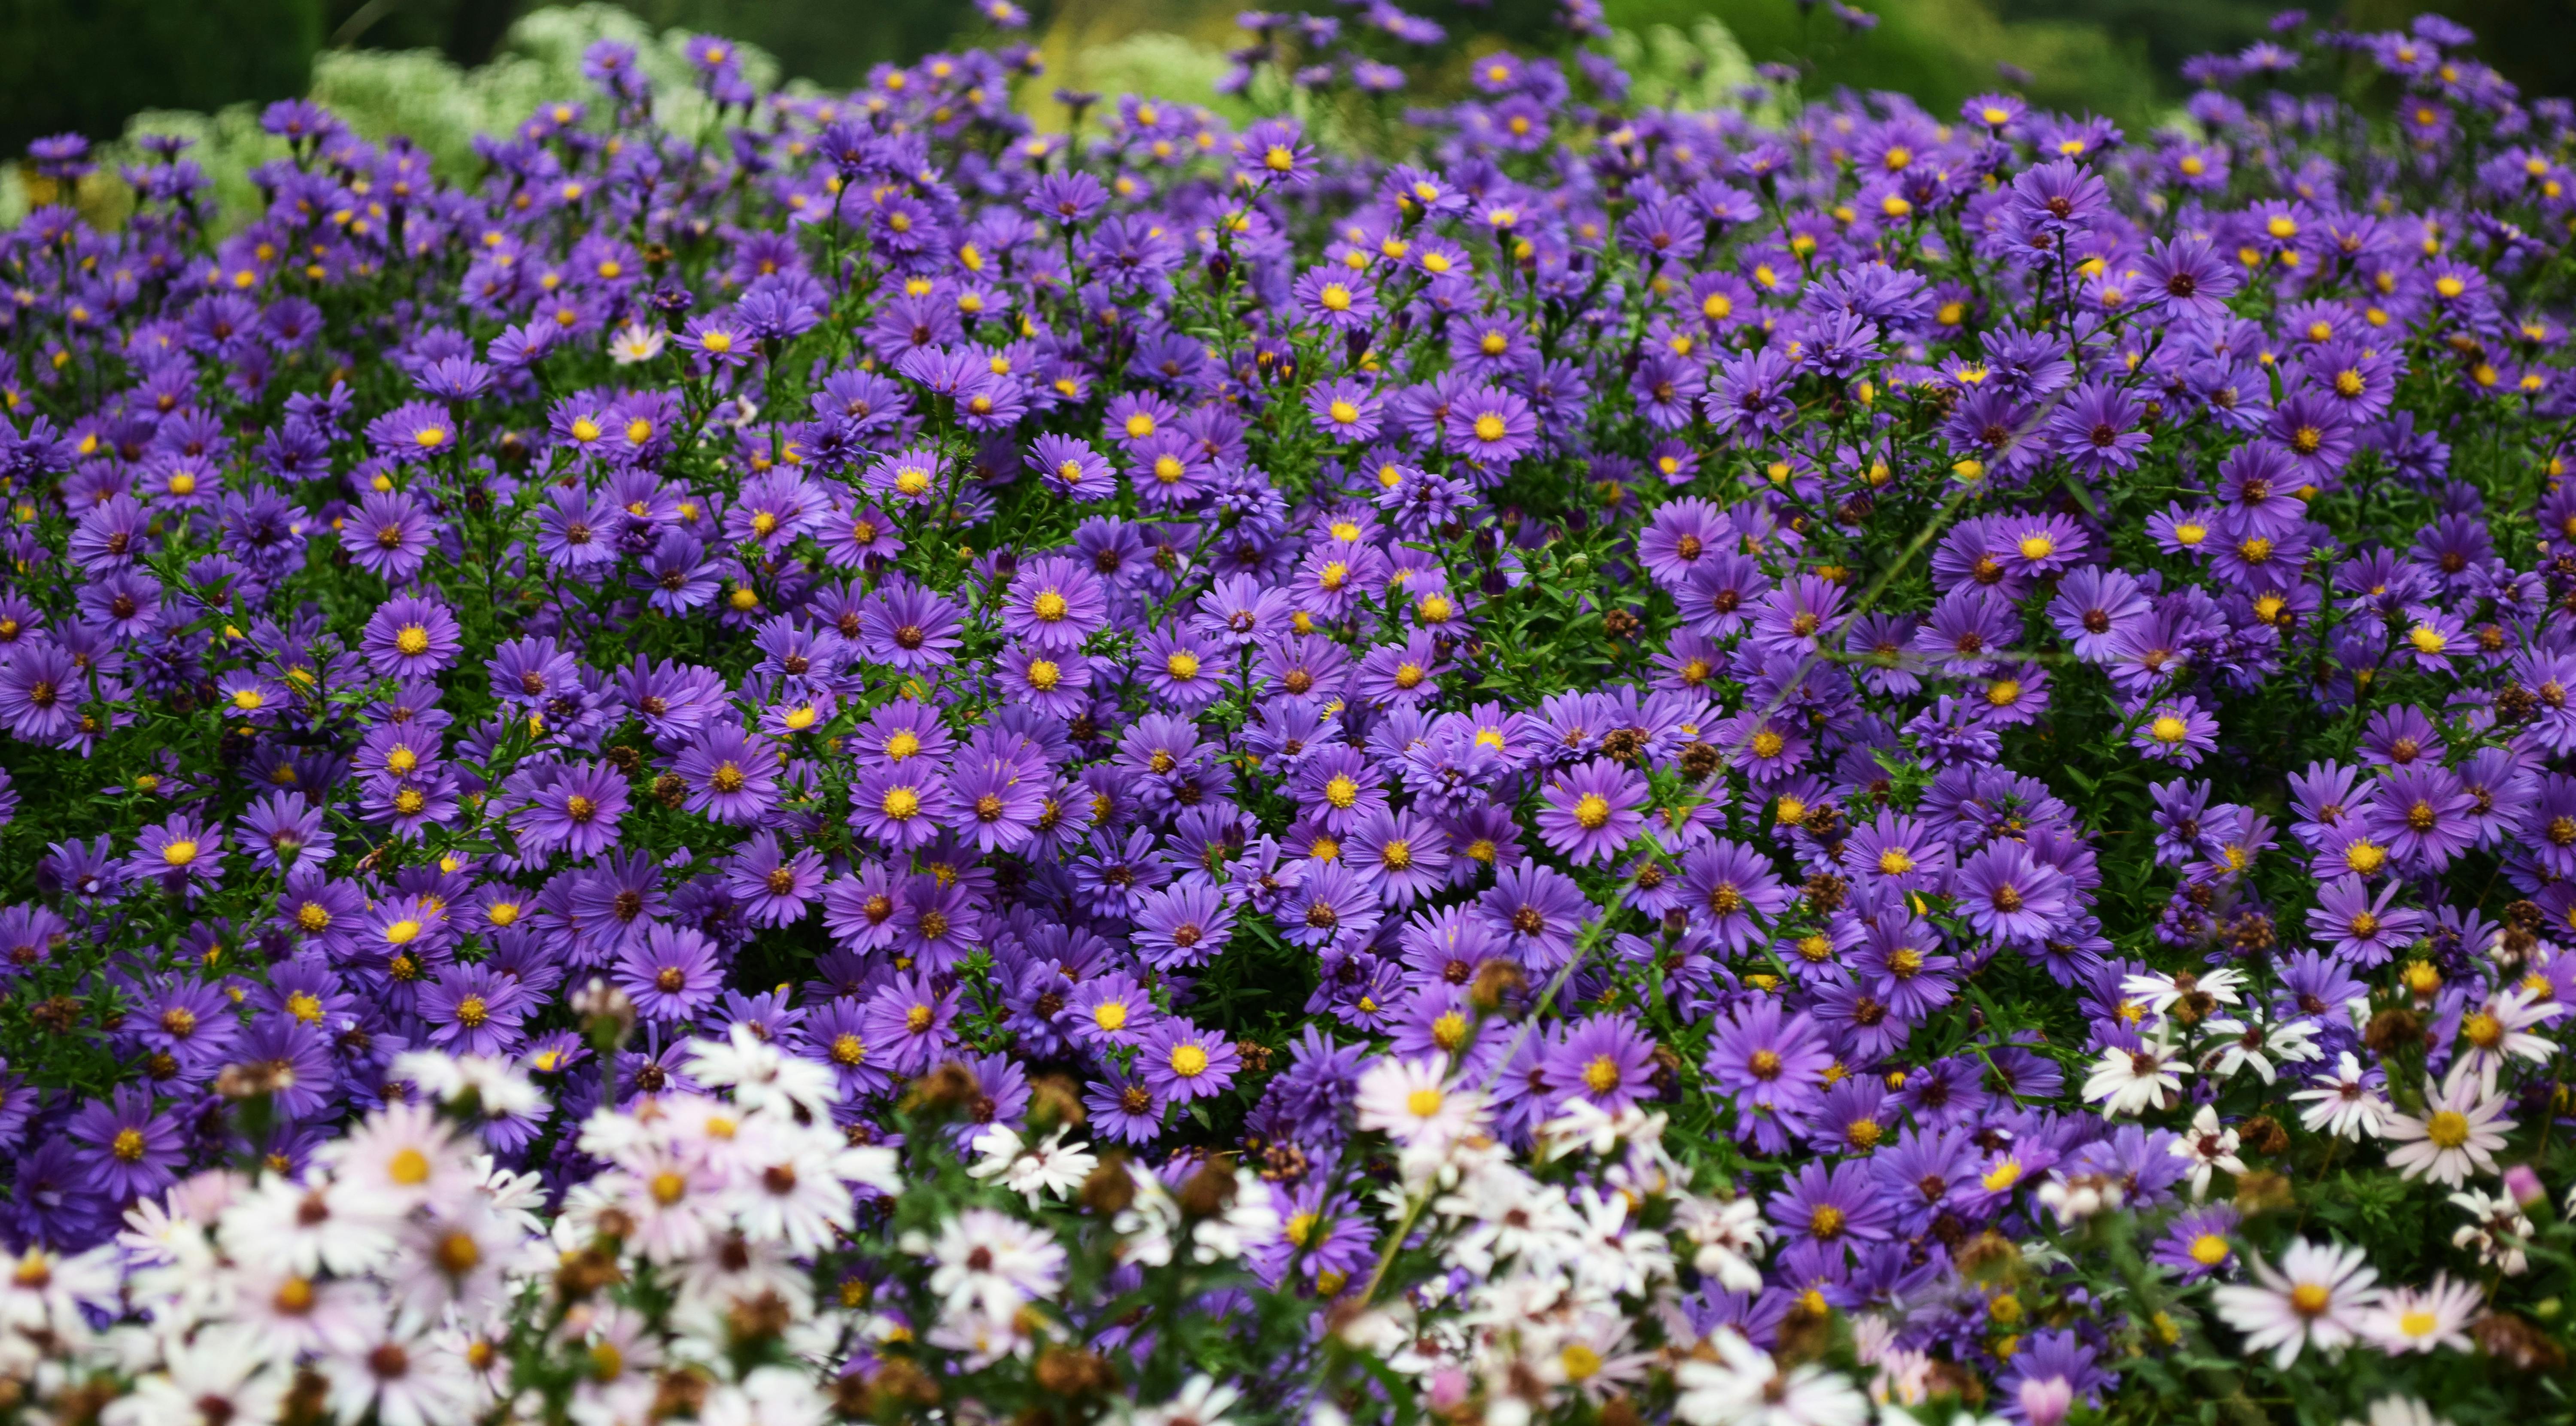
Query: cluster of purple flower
(1819, 632)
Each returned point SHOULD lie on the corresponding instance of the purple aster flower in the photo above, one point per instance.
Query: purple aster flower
(907, 1023)
(902, 806)
(1071, 469)
(1182, 1062)
(772, 887)
(129, 1150)
(1835, 1205)
(413, 431)
(671, 974)
(283, 831)
(177, 852)
(1491, 426)
(2200, 1243)
(910, 628)
(2098, 429)
(1345, 409)
(389, 535)
(1731, 891)
(731, 775)
(1329, 906)
(1123, 1109)
(1590, 812)
(2177, 730)
(410, 637)
(569, 807)
(1604, 1059)
(1110, 1011)
(1537, 912)
(1055, 604)
(474, 1010)
(2008, 894)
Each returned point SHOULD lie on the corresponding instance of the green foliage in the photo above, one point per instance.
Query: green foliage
(1939, 51)
(85, 65)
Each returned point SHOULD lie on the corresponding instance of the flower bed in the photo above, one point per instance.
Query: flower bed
(1522, 757)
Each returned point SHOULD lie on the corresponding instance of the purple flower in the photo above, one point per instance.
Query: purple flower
(671, 974)
(129, 1150)
(1182, 1062)
(1591, 812)
(410, 637)
(731, 775)
(570, 807)
(2009, 895)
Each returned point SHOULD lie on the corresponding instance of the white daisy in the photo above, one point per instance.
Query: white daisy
(1201, 1401)
(2421, 1319)
(2209, 1146)
(2500, 1231)
(993, 1263)
(635, 343)
(2343, 1103)
(1033, 1171)
(1746, 1387)
(1414, 1102)
(2136, 1080)
(2318, 1297)
(2462, 1127)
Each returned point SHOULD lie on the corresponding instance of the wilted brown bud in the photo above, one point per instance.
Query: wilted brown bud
(2391, 1030)
(943, 1091)
(583, 1273)
(1255, 1056)
(625, 759)
(2517, 1343)
(2264, 1135)
(1494, 980)
(669, 790)
(1054, 1100)
(1988, 1257)
(1110, 1187)
(1700, 759)
(2262, 1191)
(1210, 1191)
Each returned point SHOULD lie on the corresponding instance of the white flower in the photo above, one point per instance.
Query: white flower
(1729, 1238)
(761, 1075)
(399, 1372)
(635, 343)
(2412, 1319)
(500, 1088)
(2134, 1081)
(2078, 1198)
(2463, 1126)
(402, 1156)
(2500, 1029)
(1250, 1220)
(2208, 1146)
(993, 1263)
(45, 1291)
(2501, 1232)
(1747, 1388)
(2343, 1103)
(218, 1376)
(2256, 1047)
(1415, 1102)
(1200, 1402)
(309, 1228)
(2160, 992)
(2400, 1411)
(769, 1396)
(1032, 1171)
(2317, 1296)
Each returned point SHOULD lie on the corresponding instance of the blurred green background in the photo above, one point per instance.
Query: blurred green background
(88, 65)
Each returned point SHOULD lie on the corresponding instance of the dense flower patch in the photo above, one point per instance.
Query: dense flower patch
(1524, 757)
